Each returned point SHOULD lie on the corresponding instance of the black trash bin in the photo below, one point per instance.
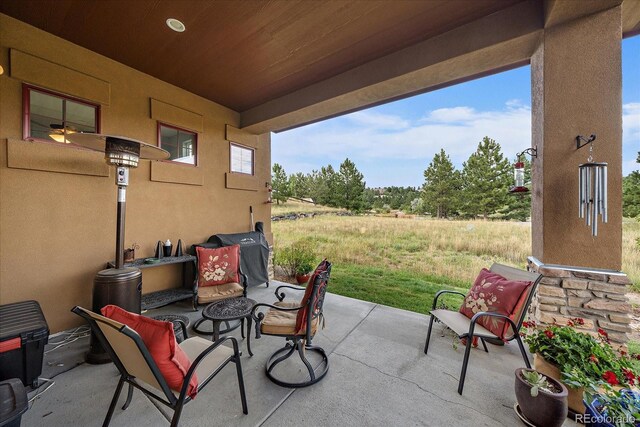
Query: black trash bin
(13, 402)
(23, 334)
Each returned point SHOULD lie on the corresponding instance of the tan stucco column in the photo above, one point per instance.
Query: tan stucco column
(576, 80)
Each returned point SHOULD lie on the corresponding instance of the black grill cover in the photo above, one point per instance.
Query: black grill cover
(254, 254)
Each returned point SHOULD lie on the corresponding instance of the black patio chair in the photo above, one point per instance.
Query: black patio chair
(468, 329)
(297, 322)
(132, 358)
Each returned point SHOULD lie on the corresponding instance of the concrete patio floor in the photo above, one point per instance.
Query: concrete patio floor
(378, 375)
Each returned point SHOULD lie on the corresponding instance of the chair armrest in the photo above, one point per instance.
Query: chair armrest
(183, 327)
(435, 300)
(477, 316)
(259, 317)
(201, 357)
(280, 296)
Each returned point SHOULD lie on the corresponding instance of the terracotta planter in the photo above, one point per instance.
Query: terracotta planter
(546, 409)
(552, 371)
(302, 278)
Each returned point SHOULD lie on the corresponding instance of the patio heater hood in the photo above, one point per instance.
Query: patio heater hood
(120, 286)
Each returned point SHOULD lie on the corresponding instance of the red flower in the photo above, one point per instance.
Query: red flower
(623, 353)
(549, 334)
(631, 378)
(603, 332)
(611, 378)
(579, 320)
(637, 356)
(571, 323)
(593, 359)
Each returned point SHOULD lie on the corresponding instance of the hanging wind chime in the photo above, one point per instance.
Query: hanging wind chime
(592, 188)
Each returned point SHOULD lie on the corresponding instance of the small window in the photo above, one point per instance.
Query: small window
(50, 116)
(181, 144)
(241, 159)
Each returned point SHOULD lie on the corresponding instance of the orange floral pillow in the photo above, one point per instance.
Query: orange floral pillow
(218, 266)
(493, 293)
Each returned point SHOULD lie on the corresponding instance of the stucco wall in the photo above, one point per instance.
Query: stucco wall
(58, 204)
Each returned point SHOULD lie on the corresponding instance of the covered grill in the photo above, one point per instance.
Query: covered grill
(254, 253)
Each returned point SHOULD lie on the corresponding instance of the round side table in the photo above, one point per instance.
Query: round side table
(226, 310)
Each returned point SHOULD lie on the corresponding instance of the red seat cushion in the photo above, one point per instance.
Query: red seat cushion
(301, 319)
(217, 266)
(160, 340)
(493, 293)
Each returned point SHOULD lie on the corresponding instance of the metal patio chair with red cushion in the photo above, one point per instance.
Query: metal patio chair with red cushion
(297, 322)
(148, 357)
(494, 309)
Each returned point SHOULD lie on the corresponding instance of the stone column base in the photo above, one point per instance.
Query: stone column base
(597, 296)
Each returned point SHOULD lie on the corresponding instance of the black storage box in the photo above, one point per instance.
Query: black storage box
(23, 335)
(13, 402)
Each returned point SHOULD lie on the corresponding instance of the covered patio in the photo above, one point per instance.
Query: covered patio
(240, 71)
(378, 375)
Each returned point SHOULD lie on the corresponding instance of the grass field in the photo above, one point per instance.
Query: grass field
(404, 262)
(294, 206)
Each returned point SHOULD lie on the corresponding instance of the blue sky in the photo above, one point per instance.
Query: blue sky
(393, 144)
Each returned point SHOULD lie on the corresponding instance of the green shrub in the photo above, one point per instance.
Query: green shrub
(296, 259)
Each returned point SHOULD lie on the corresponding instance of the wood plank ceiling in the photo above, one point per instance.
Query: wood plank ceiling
(243, 53)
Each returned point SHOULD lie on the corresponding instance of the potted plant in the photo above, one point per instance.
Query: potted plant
(296, 259)
(608, 406)
(303, 272)
(576, 358)
(130, 252)
(542, 400)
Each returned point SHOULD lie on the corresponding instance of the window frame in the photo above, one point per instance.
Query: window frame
(179, 129)
(253, 158)
(26, 112)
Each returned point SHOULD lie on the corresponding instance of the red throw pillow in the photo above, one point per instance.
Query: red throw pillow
(301, 319)
(160, 340)
(493, 293)
(217, 266)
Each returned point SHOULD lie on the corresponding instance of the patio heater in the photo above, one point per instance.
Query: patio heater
(121, 285)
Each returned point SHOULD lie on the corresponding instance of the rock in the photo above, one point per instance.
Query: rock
(574, 284)
(607, 305)
(551, 291)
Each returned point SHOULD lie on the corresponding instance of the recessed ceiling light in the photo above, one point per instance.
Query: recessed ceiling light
(175, 25)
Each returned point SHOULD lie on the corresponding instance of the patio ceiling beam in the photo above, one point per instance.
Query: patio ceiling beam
(503, 40)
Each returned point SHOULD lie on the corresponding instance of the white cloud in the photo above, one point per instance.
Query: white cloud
(380, 140)
(450, 115)
(375, 120)
(458, 130)
(631, 124)
(630, 136)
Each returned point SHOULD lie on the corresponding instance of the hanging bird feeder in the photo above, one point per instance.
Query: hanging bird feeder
(518, 172)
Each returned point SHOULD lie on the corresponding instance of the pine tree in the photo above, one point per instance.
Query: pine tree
(487, 176)
(323, 186)
(299, 185)
(350, 187)
(280, 184)
(631, 194)
(441, 185)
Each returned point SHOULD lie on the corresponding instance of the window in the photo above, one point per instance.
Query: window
(49, 116)
(241, 159)
(181, 144)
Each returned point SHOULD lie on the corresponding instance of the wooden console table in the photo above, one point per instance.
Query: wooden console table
(167, 296)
